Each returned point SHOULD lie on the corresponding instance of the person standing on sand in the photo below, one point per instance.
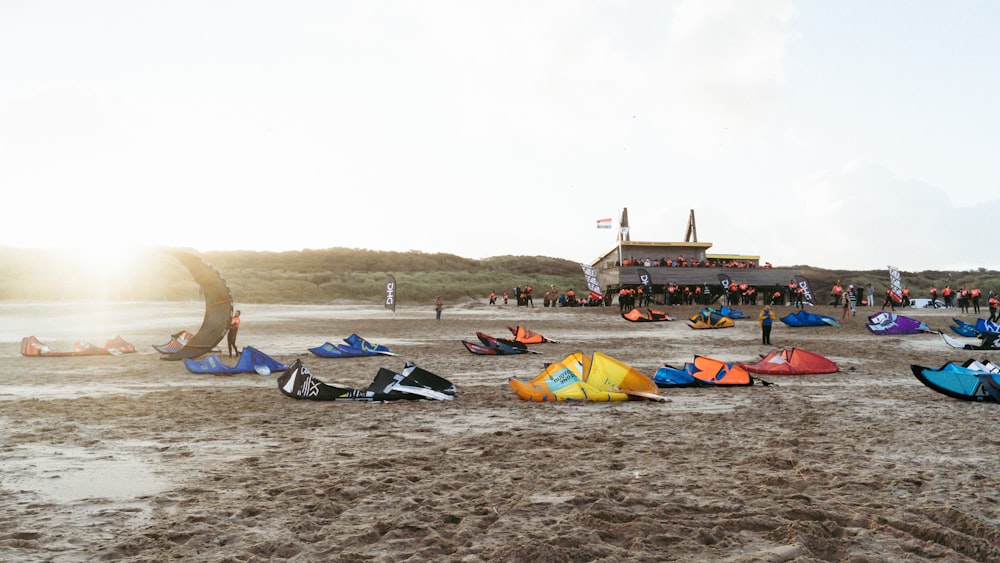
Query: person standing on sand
(438, 307)
(493, 297)
(889, 300)
(234, 327)
(765, 320)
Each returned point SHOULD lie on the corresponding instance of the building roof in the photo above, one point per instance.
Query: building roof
(655, 249)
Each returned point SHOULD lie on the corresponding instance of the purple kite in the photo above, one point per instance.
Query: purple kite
(885, 322)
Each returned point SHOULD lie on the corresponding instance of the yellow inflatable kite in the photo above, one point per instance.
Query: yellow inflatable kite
(579, 378)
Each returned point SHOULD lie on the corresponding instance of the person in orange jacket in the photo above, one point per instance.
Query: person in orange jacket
(835, 294)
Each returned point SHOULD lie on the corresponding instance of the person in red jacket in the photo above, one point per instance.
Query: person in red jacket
(234, 327)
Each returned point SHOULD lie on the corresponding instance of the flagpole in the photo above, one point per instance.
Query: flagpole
(619, 248)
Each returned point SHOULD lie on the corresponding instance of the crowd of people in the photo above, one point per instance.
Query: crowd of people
(682, 262)
(552, 298)
(847, 296)
(967, 299)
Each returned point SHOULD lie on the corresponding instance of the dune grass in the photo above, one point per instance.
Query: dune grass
(336, 274)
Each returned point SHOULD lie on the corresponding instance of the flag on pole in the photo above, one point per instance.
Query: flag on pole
(604, 223)
(807, 292)
(593, 285)
(390, 292)
(895, 280)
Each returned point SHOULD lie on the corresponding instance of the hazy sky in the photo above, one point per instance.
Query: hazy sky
(846, 134)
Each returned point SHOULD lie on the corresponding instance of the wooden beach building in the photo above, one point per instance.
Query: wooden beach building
(686, 263)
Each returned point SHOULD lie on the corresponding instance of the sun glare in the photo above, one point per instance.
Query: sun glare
(99, 272)
(101, 262)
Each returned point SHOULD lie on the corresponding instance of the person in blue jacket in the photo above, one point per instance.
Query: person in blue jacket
(765, 320)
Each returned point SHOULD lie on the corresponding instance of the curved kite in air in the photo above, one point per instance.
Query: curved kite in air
(578, 377)
(884, 322)
(32, 347)
(218, 307)
(251, 360)
(971, 381)
(651, 315)
(414, 383)
(796, 361)
(802, 318)
(702, 371)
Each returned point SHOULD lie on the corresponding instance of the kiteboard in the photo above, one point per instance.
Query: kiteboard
(645, 396)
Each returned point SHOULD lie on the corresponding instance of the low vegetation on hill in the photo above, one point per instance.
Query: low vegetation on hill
(920, 283)
(323, 276)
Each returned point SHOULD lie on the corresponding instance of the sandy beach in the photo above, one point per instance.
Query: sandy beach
(134, 458)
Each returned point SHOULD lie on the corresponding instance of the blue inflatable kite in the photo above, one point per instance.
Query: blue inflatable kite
(802, 318)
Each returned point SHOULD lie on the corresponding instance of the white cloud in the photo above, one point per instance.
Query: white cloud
(863, 217)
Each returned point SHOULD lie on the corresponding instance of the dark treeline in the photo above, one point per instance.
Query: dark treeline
(322, 276)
